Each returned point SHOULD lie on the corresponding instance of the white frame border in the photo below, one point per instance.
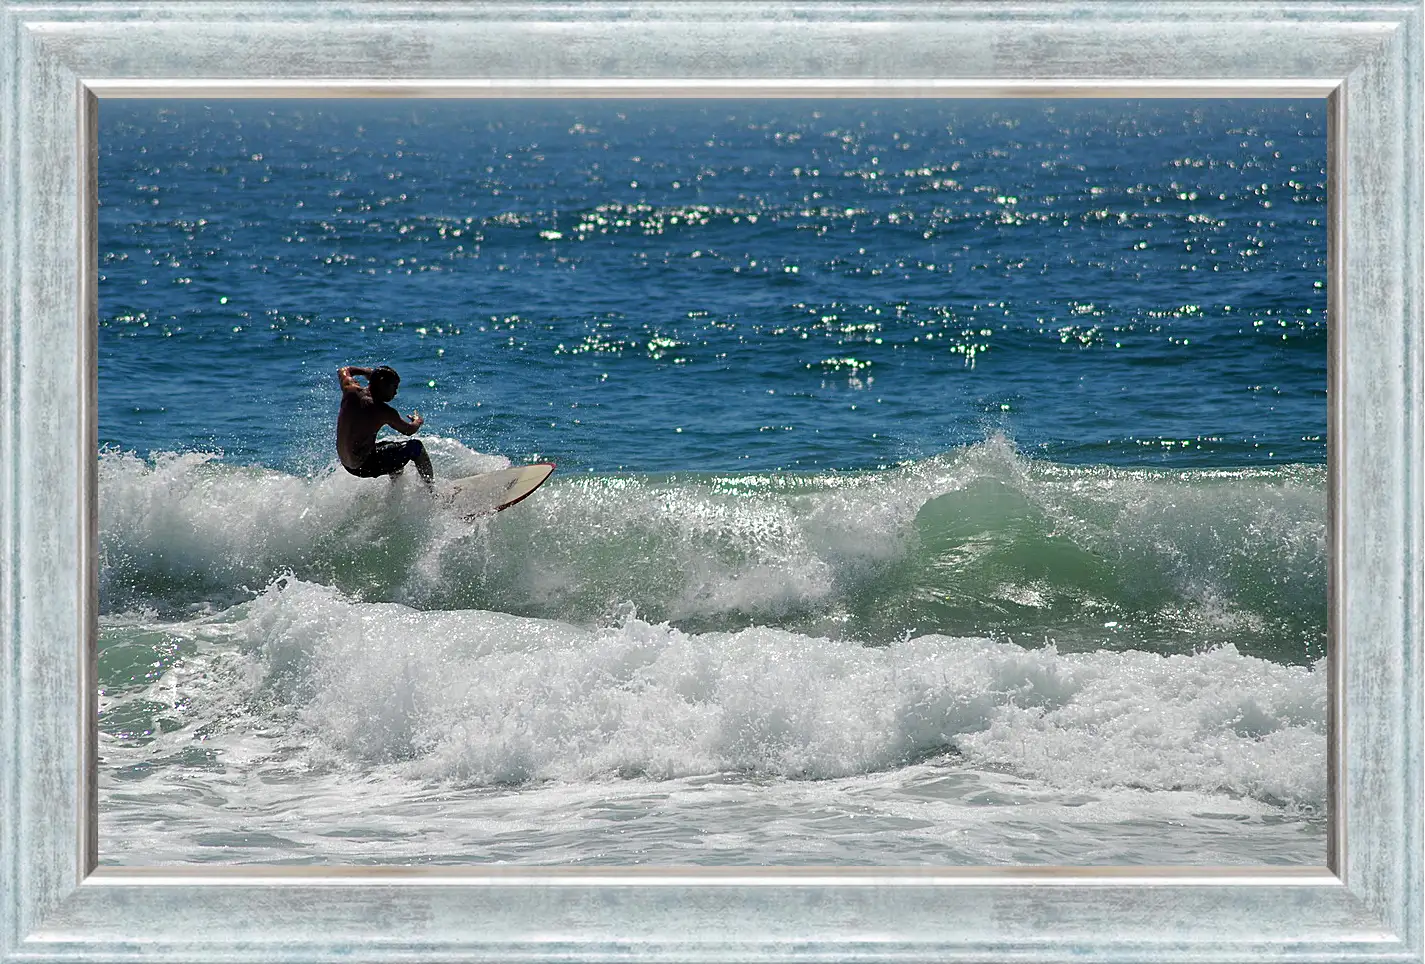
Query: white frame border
(57, 57)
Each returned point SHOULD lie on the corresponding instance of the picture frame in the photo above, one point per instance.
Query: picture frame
(58, 59)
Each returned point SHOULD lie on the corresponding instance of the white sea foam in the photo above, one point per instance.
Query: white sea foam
(490, 699)
(976, 541)
(188, 518)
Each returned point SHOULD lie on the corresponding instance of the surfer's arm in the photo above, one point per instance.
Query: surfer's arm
(394, 419)
(347, 375)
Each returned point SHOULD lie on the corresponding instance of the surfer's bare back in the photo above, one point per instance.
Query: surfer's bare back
(364, 410)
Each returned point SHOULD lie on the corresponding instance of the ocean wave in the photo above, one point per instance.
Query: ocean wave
(980, 541)
(484, 699)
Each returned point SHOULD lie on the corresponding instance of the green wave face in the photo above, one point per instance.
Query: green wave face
(976, 542)
(1099, 557)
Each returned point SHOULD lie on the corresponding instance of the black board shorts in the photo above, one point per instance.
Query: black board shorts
(386, 458)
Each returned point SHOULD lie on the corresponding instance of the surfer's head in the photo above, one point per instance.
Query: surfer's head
(384, 382)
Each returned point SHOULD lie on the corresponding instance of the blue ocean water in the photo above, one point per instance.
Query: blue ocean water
(923, 465)
(716, 286)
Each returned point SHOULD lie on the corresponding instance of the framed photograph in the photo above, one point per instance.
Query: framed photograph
(683, 115)
(940, 482)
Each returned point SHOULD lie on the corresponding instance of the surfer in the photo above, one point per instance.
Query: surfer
(364, 410)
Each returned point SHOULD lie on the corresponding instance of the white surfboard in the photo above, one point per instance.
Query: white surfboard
(489, 492)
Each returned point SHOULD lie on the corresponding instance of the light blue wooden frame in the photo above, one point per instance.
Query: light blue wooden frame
(57, 57)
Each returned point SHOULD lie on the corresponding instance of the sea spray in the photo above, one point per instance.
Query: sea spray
(979, 541)
(488, 699)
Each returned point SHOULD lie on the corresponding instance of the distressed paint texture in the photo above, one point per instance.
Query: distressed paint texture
(55, 56)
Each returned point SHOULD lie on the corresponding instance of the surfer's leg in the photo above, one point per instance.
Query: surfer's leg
(387, 459)
(390, 458)
(417, 451)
